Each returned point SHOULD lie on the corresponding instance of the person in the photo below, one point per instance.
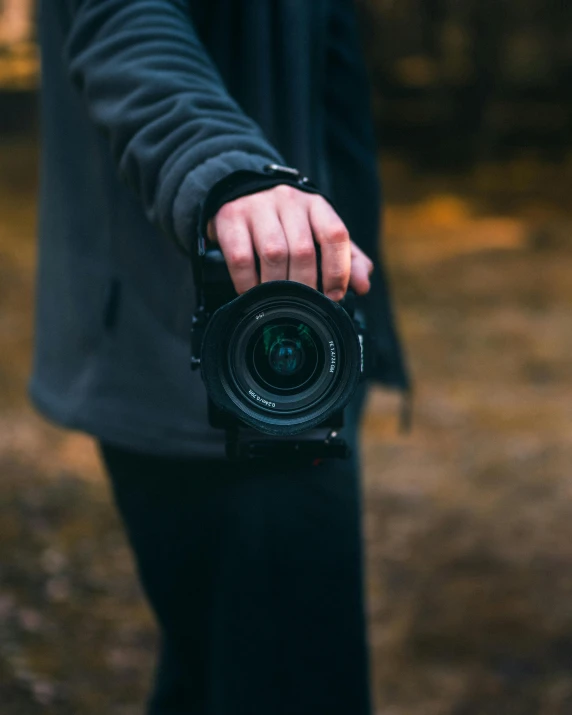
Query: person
(160, 119)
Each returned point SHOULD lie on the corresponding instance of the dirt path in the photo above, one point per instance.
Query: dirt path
(469, 539)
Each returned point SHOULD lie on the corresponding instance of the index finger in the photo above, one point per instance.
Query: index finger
(233, 237)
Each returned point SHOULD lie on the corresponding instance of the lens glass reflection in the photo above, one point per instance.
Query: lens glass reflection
(284, 354)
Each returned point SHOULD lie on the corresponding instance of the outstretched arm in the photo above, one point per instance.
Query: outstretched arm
(175, 133)
(149, 83)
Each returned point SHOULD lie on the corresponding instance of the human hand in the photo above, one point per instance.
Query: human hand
(281, 225)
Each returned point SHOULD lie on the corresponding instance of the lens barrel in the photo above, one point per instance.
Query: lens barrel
(281, 358)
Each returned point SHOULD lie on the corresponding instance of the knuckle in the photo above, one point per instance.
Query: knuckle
(274, 252)
(231, 210)
(285, 191)
(304, 253)
(239, 258)
(337, 233)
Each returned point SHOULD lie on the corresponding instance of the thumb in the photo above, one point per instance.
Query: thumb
(361, 270)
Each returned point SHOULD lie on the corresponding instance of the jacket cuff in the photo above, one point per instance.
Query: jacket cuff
(198, 183)
(243, 183)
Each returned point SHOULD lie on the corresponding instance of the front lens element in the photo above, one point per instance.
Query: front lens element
(285, 354)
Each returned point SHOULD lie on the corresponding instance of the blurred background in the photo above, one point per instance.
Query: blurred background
(467, 520)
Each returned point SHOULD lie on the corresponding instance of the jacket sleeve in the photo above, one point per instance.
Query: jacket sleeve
(150, 85)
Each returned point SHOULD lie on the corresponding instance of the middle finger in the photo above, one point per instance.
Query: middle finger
(270, 244)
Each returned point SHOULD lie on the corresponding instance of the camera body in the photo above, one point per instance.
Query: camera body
(279, 363)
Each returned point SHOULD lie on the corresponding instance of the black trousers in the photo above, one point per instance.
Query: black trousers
(255, 576)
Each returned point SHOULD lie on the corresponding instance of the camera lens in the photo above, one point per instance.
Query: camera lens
(281, 358)
(284, 354)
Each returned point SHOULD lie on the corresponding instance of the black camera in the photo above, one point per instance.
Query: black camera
(279, 363)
